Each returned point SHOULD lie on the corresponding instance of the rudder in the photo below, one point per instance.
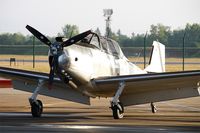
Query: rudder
(157, 59)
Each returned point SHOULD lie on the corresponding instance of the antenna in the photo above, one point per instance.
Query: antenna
(107, 14)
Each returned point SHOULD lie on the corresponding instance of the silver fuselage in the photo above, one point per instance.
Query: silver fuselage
(84, 63)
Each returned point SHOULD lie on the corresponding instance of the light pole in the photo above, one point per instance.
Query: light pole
(33, 52)
(183, 51)
(145, 37)
(107, 14)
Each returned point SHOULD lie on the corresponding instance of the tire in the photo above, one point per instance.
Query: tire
(37, 108)
(153, 108)
(41, 106)
(117, 114)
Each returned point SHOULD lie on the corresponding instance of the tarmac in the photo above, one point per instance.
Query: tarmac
(177, 116)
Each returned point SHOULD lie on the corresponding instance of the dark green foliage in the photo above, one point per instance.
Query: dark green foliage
(12, 39)
(69, 31)
(163, 34)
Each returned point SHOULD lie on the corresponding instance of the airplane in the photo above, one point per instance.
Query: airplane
(87, 66)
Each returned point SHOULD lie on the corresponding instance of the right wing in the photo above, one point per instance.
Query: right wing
(146, 88)
(28, 81)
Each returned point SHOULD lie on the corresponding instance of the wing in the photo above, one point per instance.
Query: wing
(28, 81)
(147, 88)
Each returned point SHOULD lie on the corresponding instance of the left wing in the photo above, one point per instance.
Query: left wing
(28, 81)
(146, 88)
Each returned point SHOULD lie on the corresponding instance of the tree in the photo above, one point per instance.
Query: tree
(132, 35)
(5, 39)
(160, 32)
(97, 31)
(69, 31)
(123, 40)
(192, 34)
(12, 39)
(18, 38)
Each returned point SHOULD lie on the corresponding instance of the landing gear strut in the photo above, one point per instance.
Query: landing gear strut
(36, 105)
(116, 106)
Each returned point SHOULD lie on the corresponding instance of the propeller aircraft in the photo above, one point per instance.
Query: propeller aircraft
(88, 65)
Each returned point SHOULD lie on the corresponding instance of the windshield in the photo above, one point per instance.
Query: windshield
(110, 46)
(91, 39)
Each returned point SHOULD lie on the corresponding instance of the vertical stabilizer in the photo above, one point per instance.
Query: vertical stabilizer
(157, 59)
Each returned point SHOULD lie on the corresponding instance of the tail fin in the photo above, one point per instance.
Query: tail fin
(157, 59)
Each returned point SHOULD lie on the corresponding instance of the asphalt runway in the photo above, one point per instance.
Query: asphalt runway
(62, 116)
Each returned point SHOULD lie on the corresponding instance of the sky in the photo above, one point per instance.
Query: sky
(49, 16)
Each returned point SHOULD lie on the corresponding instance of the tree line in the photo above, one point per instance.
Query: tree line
(164, 34)
(160, 32)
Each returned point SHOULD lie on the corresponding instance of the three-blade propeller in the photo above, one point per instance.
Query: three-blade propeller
(56, 48)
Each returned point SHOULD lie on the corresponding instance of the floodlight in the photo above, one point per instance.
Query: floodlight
(107, 12)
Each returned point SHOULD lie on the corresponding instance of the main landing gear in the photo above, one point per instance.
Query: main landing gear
(118, 111)
(116, 106)
(36, 105)
(153, 107)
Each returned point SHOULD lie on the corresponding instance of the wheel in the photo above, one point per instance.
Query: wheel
(117, 112)
(36, 108)
(153, 108)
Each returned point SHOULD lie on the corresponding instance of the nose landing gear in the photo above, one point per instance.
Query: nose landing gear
(36, 105)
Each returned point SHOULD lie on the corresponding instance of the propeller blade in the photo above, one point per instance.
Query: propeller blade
(51, 76)
(76, 38)
(39, 36)
(53, 63)
(51, 73)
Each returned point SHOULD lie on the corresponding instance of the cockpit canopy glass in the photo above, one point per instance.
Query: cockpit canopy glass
(105, 44)
(110, 46)
(91, 39)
